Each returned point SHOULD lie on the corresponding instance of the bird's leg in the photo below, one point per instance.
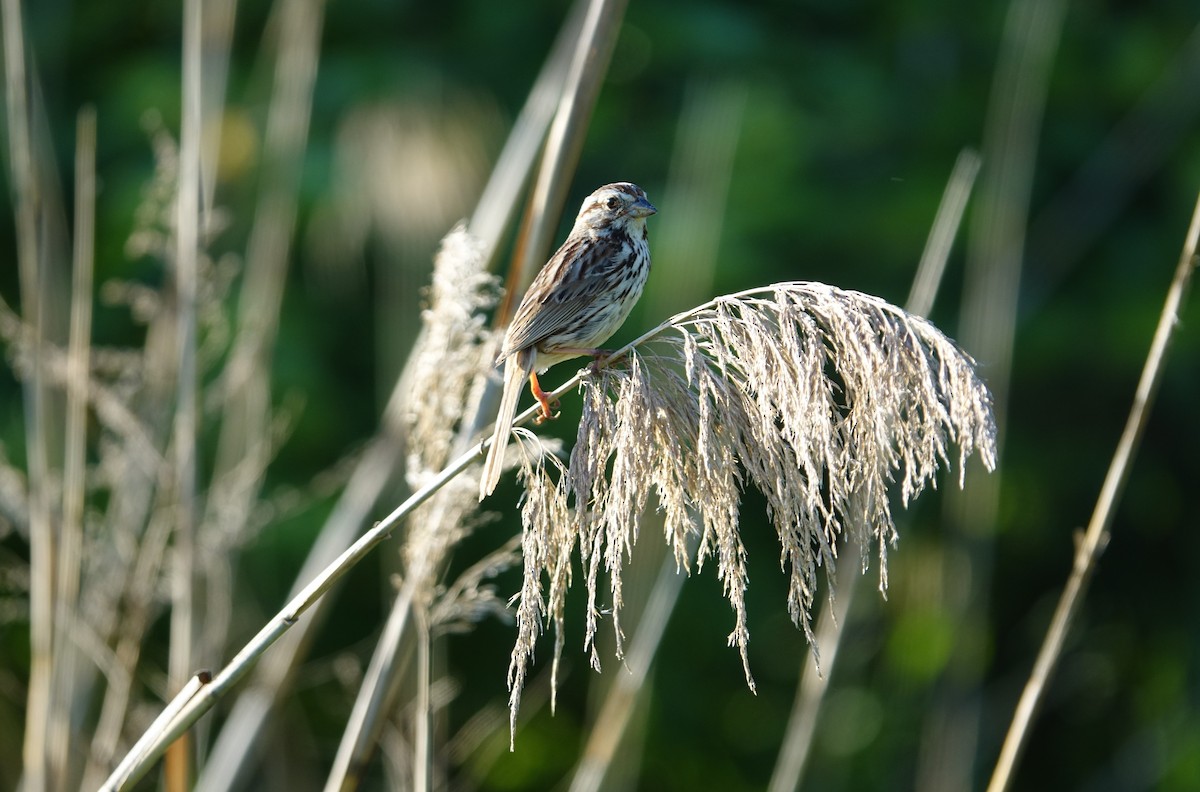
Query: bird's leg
(549, 406)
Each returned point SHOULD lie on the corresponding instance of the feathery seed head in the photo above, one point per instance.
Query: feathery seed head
(824, 400)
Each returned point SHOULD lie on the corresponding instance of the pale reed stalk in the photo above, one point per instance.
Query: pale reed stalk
(1094, 539)
(564, 141)
(70, 559)
(180, 662)
(592, 48)
(41, 540)
(233, 751)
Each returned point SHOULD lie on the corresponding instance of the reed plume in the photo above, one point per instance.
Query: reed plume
(823, 399)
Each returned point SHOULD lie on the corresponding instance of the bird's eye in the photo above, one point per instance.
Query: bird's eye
(613, 202)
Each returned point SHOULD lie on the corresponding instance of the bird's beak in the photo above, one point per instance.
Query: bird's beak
(642, 208)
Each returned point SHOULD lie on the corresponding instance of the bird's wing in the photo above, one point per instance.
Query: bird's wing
(570, 280)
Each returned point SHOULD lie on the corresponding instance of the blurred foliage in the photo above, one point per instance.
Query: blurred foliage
(855, 113)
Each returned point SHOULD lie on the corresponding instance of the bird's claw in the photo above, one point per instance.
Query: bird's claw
(549, 412)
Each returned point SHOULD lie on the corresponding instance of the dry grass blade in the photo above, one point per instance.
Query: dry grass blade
(500, 198)
(235, 747)
(70, 559)
(821, 398)
(189, 711)
(941, 236)
(437, 432)
(41, 549)
(186, 420)
(589, 64)
(1093, 541)
(133, 766)
(29, 199)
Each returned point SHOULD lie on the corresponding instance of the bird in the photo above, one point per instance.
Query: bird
(580, 298)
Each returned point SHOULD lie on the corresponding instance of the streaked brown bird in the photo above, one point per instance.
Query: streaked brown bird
(579, 299)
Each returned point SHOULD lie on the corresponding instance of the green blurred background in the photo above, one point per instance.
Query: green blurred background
(853, 115)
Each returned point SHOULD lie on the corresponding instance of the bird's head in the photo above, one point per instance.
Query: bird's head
(617, 204)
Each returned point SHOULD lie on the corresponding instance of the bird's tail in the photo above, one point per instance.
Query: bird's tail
(517, 368)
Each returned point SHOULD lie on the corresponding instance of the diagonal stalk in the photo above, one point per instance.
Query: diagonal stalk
(232, 752)
(1091, 544)
(593, 45)
(597, 38)
(193, 706)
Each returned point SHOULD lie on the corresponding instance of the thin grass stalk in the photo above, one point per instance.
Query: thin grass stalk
(597, 38)
(140, 513)
(187, 243)
(123, 775)
(20, 151)
(1091, 544)
(801, 729)
(499, 200)
(941, 236)
(41, 539)
(70, 557)
(592, 50)
(688, 237)
(381, 682)
(949, 744)
(797, 740)
(129, 637)
(500, 197)
(685, 261)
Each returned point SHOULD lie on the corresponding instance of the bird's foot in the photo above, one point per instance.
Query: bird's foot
(548, 404)
(549, 412)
